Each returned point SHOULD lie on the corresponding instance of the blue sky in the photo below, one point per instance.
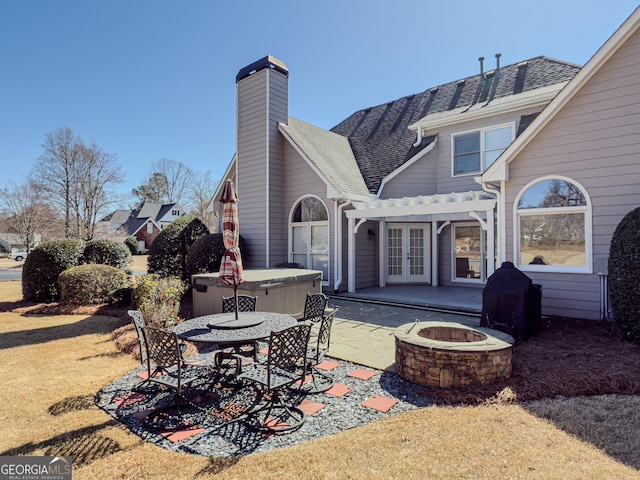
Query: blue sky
(152, 79)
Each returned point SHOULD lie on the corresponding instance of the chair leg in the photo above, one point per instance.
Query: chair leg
(321, 381)
(275, 416)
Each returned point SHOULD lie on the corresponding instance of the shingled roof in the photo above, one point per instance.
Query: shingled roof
(381, 141)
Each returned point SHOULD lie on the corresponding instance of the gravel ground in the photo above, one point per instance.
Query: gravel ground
(228, 433)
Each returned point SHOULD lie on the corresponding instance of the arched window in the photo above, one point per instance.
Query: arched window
(553, 227)
(309, 239)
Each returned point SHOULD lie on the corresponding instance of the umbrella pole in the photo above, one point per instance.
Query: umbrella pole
(235, 297)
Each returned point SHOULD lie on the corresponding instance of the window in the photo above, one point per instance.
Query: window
(474, 152)
(310, 235)
(553, 227)
(469, 252)
(149, 227)
(175, 213)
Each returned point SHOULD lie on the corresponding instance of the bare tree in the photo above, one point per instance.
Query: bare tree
(200, 199)
(98, 172)
(27, 212)
(56, 170)
(77, 179)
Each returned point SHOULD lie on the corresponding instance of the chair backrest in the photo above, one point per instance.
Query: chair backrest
(246, 303)
(139, 324)
(163, 347)
(324, 334)
(314, 307)
(287, 347)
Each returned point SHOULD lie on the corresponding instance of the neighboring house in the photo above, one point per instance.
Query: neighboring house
(143, 223)
(12, 242)
(422, 190)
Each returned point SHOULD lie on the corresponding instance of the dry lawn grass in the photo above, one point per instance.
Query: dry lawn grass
(52, 366)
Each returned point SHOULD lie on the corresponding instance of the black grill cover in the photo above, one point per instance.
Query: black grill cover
(511, 303)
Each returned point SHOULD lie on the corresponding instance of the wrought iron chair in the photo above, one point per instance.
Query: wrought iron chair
(314, 308)
(275, 376)
(246, 303)
(316, 352)
(139, 323)
(163, 349)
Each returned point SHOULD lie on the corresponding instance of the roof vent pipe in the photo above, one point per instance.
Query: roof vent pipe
(481, 60)
(498, 55)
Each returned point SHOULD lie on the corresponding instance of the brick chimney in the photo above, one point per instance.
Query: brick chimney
(261, 104)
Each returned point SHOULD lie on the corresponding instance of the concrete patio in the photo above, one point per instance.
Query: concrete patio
(363, 331)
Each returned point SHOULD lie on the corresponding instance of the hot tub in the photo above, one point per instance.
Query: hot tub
(281, 290)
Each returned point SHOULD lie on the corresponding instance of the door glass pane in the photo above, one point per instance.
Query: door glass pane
(301, 259)
(300, 239)
(319, 239)
(395, 251)
(416, 251)
(321, 262)
(468, 254)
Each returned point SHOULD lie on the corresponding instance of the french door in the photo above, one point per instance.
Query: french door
(408, 252)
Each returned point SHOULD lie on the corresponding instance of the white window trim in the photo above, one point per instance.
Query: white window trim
(325, 281)
(588, 230)
(483, 254)
(481, 131)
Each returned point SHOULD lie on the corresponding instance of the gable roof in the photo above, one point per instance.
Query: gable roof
(498, 171)
(380, 136)
(329, 154)
(134, 219)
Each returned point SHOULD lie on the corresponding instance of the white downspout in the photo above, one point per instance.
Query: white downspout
(419, 139)
(351, 256)
(499, 220)
(338, 208)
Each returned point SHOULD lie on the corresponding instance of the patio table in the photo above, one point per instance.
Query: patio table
(224, 328)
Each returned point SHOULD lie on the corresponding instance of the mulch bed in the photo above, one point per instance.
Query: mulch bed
(568, 358)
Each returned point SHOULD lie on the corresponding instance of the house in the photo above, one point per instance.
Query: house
(440, 187)
(143, 222)
(572, 176)
(12, 242)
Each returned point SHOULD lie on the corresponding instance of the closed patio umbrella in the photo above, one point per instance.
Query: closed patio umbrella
(231, 263)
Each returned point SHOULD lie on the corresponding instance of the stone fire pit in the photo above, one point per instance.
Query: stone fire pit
(448, 354)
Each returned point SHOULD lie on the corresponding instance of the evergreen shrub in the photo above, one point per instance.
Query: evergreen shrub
(44, 265)
(168, 252)
(132, 245)
(624, 287)
(108, 252)
(206, 253)
(92, 284)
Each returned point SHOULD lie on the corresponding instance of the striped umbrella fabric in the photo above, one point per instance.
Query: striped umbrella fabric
(231, 263)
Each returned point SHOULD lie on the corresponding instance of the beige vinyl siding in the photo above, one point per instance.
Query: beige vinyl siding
(301, 180)
(255, 140)
(278, 207)
(445, 256)
(594, 140)
(417, 179)
(446, 183)
(366, 256)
